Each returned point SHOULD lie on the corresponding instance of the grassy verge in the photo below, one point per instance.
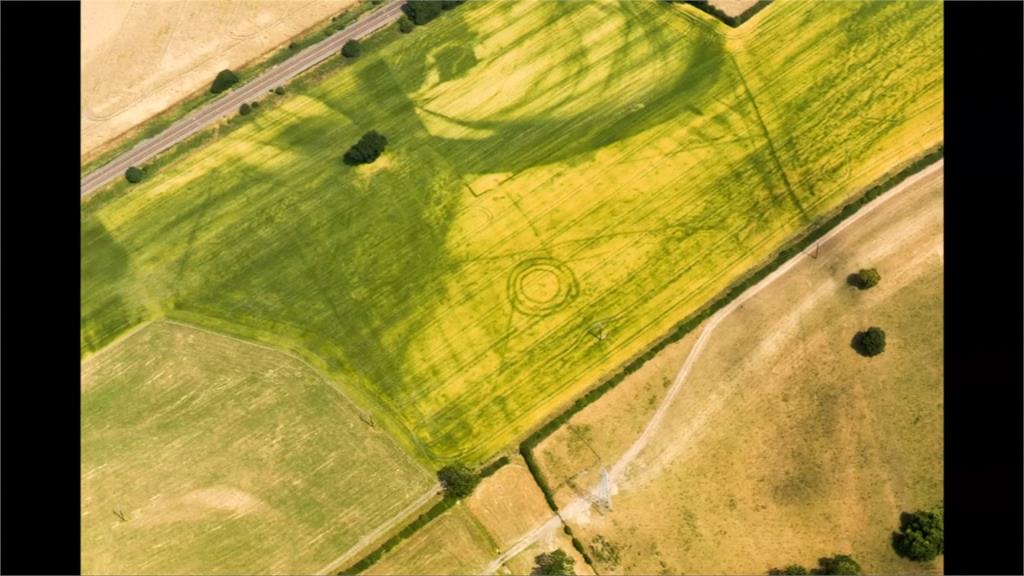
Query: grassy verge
(165, 119)
(688, 324)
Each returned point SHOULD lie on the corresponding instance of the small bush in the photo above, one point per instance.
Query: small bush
(838, 565)
(293, 45)
(791, 570)
(244, 109)
(556, 563)
(133, 175)
(457, 480)
(405, 25)
(255, 104)
(279, 90)
(870, 342)
(921, 536)
(351, 49)
(224, 80)
(865, 278)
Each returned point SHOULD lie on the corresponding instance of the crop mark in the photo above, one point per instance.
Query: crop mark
(768, 139)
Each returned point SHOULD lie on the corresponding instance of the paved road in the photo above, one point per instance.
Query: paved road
(229, 103)
(581, 504)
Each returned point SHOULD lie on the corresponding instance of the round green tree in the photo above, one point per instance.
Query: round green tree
(920, 537)
(279, 90)
(405, 25)
(244, 109)
(351, 49)
(870, 342)
(556, 563)
(224, 80)
(133, 175)
(457, 480)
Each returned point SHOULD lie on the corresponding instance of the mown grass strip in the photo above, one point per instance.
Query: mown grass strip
(688, 324)
(165, 119)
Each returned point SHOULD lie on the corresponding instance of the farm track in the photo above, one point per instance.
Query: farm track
(618, 470)
(230, 102)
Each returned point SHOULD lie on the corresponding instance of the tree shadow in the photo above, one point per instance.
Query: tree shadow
(854, 280)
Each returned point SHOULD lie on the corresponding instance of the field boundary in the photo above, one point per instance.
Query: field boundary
(730, 21)
(785, 254)
(421, 521)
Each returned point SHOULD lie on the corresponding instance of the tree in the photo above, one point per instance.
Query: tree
(791, 570)
(133, 175)
(368, 149)
(920, 537)
(867, 277)
(255, 104)
(351, 49)
(223, 81)
(870, 342)
(457, 480)
(422, 11)
(279, 90)
(244, 108)
(405, 25)
(556, 563)
(838, 565)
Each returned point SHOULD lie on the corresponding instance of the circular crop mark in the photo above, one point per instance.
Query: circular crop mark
(541, 286)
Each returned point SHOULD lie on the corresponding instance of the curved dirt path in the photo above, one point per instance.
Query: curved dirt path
(619, 468)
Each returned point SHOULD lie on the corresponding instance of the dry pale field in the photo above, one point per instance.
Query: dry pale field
(139, 57)
(733, 7)
(784, 445)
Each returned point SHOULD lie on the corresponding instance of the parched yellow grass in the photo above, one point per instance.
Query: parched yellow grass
(140, 57)
(784, 445)
(509, 504)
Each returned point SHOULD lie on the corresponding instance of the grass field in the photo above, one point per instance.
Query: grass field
(784, 445)
(553, 167)
(226, 458)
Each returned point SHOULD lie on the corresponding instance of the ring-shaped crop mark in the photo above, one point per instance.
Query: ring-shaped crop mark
(541, 286)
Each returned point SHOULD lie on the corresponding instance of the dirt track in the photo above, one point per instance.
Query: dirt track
(618, 470)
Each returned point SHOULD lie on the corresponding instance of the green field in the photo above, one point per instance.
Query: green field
(553, 165)
(226, 458)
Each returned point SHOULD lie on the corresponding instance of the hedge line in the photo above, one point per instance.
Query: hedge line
(415, 525)
(418, 523)
(688, 324)
(732, 21)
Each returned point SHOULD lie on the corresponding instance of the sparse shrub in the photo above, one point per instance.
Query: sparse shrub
(224, 80)
(604, 551)
(244, 109)
(921, 536)
(870, 342)
(457, 480)
(279, 90)
(556, 563)
(351, 49)
(293, 45)
(133, 175)
(405, 25)
(368, 149)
